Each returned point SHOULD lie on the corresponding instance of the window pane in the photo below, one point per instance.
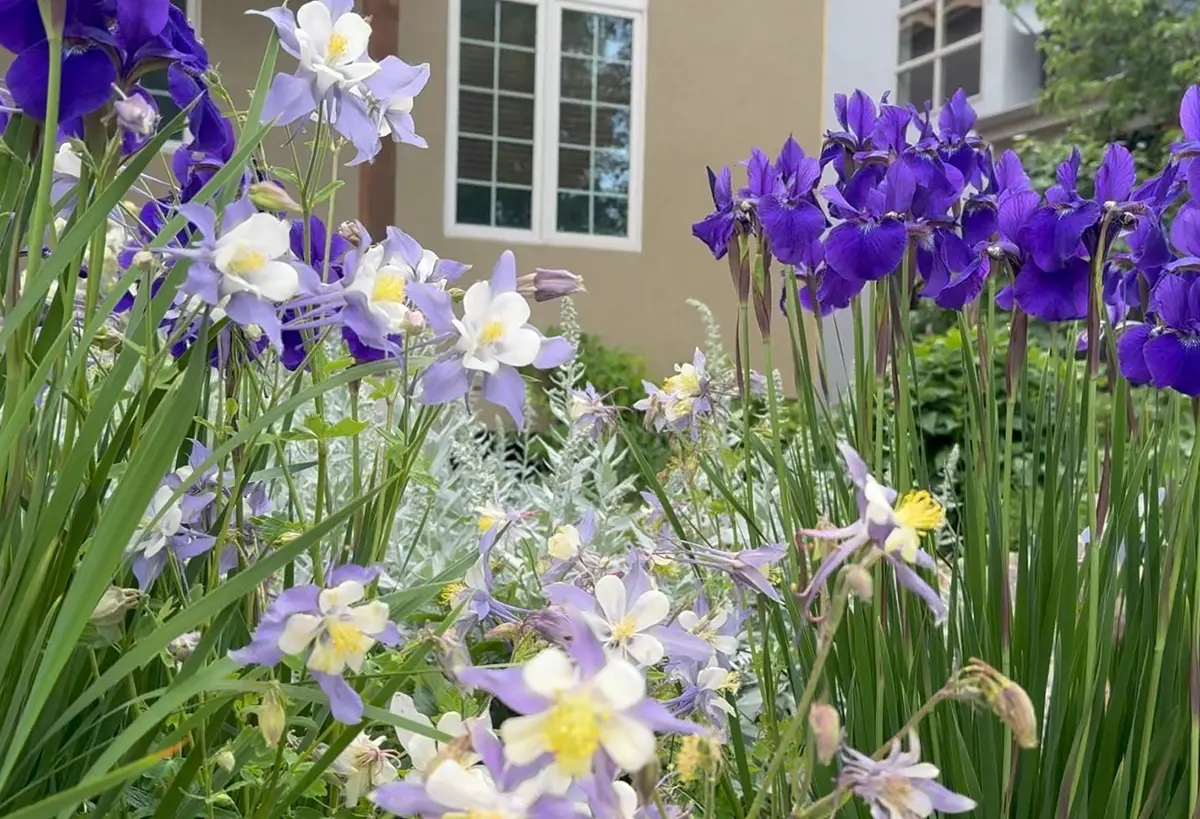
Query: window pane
(612, 127)
(475, 112)
(514, 163)
(578, 33)
(514, 208)
(611, 217)
(612, 83)
(960, 69)
(474, 159)
(573, 214)
(915, 85)
(916, 34)
(616, 38)
(517, 70)
(474, 205)
(612, 172)
(478, 19)
(515, 117)
(576, 80)
(961, 19)
(518, 24)
(574, 169)
(574, 124)
(476, 65)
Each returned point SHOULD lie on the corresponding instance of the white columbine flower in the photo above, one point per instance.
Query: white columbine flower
(623, 626)
(67, 161)
(332, 49)
(422, 750)
(248, 257)
(707, 628)
(150, 540)
(493, 330)
(362, 767)
(565, 542)
(382, 283)
(341, 634)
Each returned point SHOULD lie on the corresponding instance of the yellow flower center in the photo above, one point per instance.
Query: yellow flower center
(487, 522)
(346, 638)
(685, 383)
(624, 629)
(572, 732)
(733, 681)
(337, 48)
(896, 792)
(491, 332)
(920, 512)
(246, 261)
(388, 288)
(452, 590)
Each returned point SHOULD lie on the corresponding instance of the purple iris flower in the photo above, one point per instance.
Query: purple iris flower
(245, 268)
(857, 116)
(491, 338)
(1165, 350)
(630, 617)
(717, 229)
(295, 342)
(788, 211)
(329, 628)
(1189, 122)
(871, 241)
(958, 146)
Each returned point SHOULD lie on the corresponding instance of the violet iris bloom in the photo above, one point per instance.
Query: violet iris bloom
(871, 241)
(492, 338)
(1165, 351)
(329, 628)
(958, 146)
(717, 229)
(857, 116)
(1189, 122)
(788, 212)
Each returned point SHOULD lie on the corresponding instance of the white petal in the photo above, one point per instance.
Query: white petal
(627, 802)
(477, 302)
(343, 594)
(645, 649)
(454, 786)
(402, 705)
(487, 364)
(524, 738)
(510, 308)
(357, 32)
(922, 770)
(421, 750)
(620, 684)
(357, 72)
(549, 673)
(630, 744)
(316, 22)
(712, 677)
(261, 232)
(650, 609)
(688, 620)
(300, 630)
(452, 723)
(275, 281)
(371, 618)
(358, 782)
(610, 593)
(725, 645)
(519, 347)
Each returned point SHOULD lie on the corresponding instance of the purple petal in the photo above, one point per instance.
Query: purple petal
(344, 702)
(942, 798)
(1189, 113)
(1130, 355)
(866, 252)
(187, 547)
(957, 117)
(828, 567)
(506, 685)
(791, 228)
(587, 526)
(285, 24)
(1053, 236)
(140, 20)
(289, 99)
(354, 122)
(434, 302)
(245, 309)
(87, 81)
(856, 467)
(834, 293)
(201, 216)
(760, 178)
(364, 575)
(570, 595)
(715, 230)
(681, 644)
(585, 648)
(1014, 211)
(147, 569)
(1169, 300)
(396, 78)
(485, 743)
(656, 716)
(555, 352)
(504, 273)
(1174, 362)
(443, 381)
(912, 581)
(406, 799)
(1057, 295)
(1116, 174)
(506, 388)
(1185, 229)
(1010, 175)
(860, 114)
(236, 212)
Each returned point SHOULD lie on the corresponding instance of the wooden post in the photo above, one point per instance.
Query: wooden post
(377, 180)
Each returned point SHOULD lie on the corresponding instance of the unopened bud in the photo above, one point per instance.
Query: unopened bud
(271, 196)
(272, 717)
(826, 728)
(225, 759)
(545, 284)
(551, 624)
(503, 631)
(115, 601)
(137, 115)
(414, 321)
(456, 294)
(182, 646)
(565, 542)
(351, 232)
(143, 259)
(859, 581)
(980, 682)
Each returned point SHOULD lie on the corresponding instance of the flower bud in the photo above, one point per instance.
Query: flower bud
(860, 582)
(115, 601)
(545, 284)
(645, 781)
(137, 115)
(825, 728)
(981, 683)
(272, 717)
(225, 759)
(182, 646)
(143, 259)
(456, 294)
(271, 196)
(414, 321)
(351, 232)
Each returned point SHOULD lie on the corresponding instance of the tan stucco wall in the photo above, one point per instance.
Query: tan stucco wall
(722, 77)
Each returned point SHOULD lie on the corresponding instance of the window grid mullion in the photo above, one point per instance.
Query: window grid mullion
(495, 193)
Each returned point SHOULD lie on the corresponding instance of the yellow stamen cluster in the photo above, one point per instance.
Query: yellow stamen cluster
(920, 511)
(388, 288)
(733, 681)
(337, 48)
(346, 638)
(246, 261)
(698, 755)
(572, 732)
(624, 629)
(452, 590)
(491, 332)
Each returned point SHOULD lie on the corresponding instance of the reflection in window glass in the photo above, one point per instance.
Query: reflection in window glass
(915, 85)
(917, 34)
(961, 19)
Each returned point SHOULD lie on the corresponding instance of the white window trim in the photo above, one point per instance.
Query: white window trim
(545, 131)
(940, 51)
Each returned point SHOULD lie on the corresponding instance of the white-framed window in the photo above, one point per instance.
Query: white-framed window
(156, 81)
(940, 50)
(546, 121)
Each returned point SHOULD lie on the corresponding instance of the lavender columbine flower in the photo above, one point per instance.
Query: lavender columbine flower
(493, 789)
(627, 616)
(492, 338)
(327, 626)
(900, 785)
(894, 531)
(586, 408)
(169, 537)
(422, 750)
(476, 588)
(703, 693)
(747, 568)
(245, 268)
(390, 94)
(330, 41)
(1165, 350)
(684, 399)
(580, 712)
(720, 628)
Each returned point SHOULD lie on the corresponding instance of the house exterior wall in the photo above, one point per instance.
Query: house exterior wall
(719, 81)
